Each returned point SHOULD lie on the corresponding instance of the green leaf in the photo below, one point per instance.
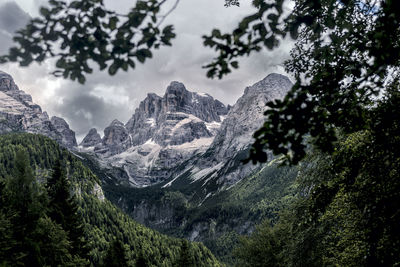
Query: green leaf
(44, 12)
(131, 63)
(112, 70)
(235, 64)
(141, 54)
(113, 23)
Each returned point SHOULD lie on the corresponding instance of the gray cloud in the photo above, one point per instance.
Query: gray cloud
(12, 18)
(104, 98)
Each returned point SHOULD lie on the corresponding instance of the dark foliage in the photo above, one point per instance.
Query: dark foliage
(347, 213)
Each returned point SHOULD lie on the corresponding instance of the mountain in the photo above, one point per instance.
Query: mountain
(221, 163)
(162, 133)
(209, 195)
(18, 113)
(176, 165)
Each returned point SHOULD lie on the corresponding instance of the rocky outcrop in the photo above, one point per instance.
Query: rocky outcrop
(116, 139)
(91, 139)
(156, 113)
(18, 113)
(7, 82)
(221, 163)
(68, 136)
(247, 115)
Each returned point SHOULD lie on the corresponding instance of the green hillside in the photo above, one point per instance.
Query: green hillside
(103, 223)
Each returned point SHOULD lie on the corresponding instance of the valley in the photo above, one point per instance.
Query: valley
(176, 165)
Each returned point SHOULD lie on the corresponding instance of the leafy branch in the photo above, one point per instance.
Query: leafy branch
(82, 32)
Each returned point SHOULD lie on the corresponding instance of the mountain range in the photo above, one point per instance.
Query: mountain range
(175, 164)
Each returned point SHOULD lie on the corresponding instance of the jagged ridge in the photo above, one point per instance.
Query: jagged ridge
(163, 132)
(18, 113)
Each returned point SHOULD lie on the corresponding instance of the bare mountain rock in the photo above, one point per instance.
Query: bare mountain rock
(18, 113)
(91, 139)
(161, 134)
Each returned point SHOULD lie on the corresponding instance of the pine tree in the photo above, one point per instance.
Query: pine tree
(186, 258)
(63, 209)
(141, 261)
(52, 241)
(116, 255)
(24, 211)
(6, 241)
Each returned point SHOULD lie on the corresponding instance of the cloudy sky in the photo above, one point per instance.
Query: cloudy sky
(104, 98)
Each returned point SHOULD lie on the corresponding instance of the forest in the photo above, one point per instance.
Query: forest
(50, 215)
(339, 124)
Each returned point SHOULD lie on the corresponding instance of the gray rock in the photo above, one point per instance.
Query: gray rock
(235, 136)
(161, 134)
(7, 82)
(18, 113)
(183, 130)
(91, 139)
(68, 136)
(116, 139)
(156, 113)
(144, 121)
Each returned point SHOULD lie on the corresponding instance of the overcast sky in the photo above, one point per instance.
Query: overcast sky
(104, 98)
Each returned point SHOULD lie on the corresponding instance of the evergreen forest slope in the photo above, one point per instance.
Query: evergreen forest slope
(102, 222)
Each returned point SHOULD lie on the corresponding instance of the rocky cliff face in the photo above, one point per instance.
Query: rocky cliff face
(221, 163)
(91, 139)
(68, 136)
(18, 113)
(156, 115)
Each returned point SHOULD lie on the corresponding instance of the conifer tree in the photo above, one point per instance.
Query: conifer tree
(116, 255)
(24, 211)
(6, 240)
(186, 258)
(141, 261)
(63, 209)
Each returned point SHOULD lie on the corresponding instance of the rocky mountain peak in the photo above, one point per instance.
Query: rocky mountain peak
(18, 113)
(59, 122)
(91, 139)
(116, 123)
(166, 131)
(116, 138)
(176, 88)
(7, 82)
(68, 136)
(274, 85)
(177, 98)
(235, 135)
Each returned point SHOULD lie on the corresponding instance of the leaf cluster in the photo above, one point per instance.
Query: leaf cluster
(80, 33)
